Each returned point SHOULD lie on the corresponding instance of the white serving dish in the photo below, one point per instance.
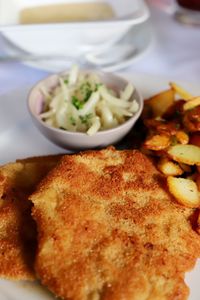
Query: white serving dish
(79, 140)
(73, 38)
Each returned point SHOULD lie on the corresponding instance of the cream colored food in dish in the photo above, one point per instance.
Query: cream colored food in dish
(81, 102)
(66, 12)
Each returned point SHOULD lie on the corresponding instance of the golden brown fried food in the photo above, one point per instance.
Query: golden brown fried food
(198, 223)
(17, 229)
(109, 230)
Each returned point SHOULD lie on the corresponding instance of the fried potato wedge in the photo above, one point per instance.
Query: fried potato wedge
(187, 154)
(182, 137)
(161, 102)
(157, 142)
(168, 167)
(180, 91)
(194, 102)
(184, 190)
(185, 168)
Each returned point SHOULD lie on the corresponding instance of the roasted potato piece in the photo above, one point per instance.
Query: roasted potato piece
(146, 151)
(162, 127)
(194, 102)
(180, 91)
(161, 102)
(184, 190)
(175, 111)
(185, 168)
(191, 119)
(157, 142)
(187, 154)
(168, 167)
(195, 139)
(182, 137)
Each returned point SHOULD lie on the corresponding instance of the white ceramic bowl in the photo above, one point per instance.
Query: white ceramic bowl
(70, 38)
(77, 140)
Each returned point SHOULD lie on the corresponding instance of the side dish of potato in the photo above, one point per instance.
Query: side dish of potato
(173, 139)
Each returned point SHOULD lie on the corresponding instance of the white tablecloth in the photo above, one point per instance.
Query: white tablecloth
(175, 55)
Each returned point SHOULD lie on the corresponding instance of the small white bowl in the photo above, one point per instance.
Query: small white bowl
(78, 140)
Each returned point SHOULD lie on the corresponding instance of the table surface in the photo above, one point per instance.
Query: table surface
(175, 55)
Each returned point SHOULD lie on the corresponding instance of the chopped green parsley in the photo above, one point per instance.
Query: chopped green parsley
(86, 118)
(72, 121)
(77, 103)
(97, 86)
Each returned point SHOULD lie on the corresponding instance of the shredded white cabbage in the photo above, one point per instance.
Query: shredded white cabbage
(82, 103)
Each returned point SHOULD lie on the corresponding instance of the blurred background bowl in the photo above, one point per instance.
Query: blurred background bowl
(72, 38)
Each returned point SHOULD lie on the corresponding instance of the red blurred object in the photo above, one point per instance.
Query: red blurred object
(190, 4)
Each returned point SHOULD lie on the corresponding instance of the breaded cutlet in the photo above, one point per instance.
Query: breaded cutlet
(109, 230)
(17, 228)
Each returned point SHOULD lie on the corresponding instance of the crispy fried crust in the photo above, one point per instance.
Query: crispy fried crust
(109, 230)
(17, 229)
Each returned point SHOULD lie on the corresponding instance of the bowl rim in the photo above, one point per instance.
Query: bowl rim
(135, 116)
(136, 17)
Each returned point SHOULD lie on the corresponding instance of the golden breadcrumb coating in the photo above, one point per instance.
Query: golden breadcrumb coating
(17, 229)
(109, 230)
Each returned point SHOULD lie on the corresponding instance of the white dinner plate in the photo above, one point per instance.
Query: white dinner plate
(19, 138)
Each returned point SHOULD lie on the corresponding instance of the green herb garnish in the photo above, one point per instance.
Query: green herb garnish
(72, 121)
(66, 81)
(88, 93)
(97, 86)
(85, 85)
(86, 90)
(77, 103)
(85, 119)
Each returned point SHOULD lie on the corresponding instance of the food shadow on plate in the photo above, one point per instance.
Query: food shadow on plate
(134, 139)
